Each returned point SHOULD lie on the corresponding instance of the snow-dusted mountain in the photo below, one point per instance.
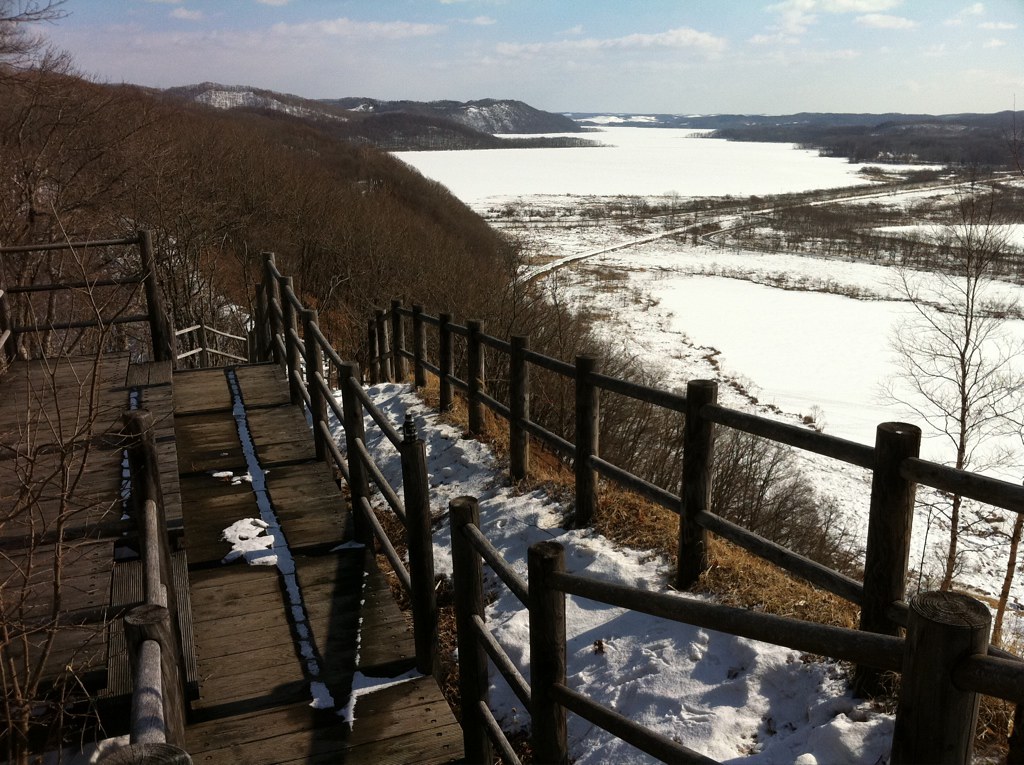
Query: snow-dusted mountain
(247, 97)
(397, 125)
(488, 115)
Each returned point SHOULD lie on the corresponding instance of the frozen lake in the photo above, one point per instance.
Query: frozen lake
(634, 161)
(803, 351)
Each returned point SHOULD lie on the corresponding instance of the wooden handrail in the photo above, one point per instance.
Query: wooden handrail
(895, 469)
(161, 335)
(154, 642)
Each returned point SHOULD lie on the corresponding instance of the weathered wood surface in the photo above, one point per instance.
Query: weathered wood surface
(60, 511)
(254, 686)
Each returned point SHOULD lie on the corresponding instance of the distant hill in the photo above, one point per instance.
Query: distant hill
(949, 139)
(396, 125)
(488, 116)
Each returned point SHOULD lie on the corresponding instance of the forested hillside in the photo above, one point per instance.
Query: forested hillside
(396, 125)
(354, 226)
(959, 140)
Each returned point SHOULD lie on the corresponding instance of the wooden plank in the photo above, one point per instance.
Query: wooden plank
(208, 442)
(263, 385)
(386, 648)
(281, 435)
(200, 391)
(147, 373)
(440, 744)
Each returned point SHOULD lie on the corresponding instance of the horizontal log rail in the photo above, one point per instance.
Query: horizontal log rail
(204, 349)
(157, 732)
(17, 319)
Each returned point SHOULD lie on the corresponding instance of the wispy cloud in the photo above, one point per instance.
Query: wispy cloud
(995, 44)
(680, 38)
(345, 27)
(976, 9)
(184, 14)
(885, 21)
(480, 21)
(795, 17)
(997, 26)
(274, 2)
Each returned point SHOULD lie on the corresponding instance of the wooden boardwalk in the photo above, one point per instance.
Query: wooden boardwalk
(60, 510)
(265, 637)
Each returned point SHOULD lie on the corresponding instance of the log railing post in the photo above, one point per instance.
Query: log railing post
(275, 309)
(1015, 755)
(8, 339)
(890, 519)
(161, 331)
(446, 362)
(359, 487)
(383, 348)
(398, 341)
(293, 356)
(421, 547)
(372, 352)
(547, 654)
(315, 368)
(698, 459)
(935, 720)
(258, 350)
(519, 405)
(588, 411)
(419, 346)
(467, 583)
(475, 376)
(204, 346)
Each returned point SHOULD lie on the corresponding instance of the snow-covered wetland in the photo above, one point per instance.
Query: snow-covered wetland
(794, 336)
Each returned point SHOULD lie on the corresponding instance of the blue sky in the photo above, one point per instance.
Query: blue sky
(672, 56)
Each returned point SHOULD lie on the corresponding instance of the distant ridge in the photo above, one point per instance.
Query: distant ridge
(397, 125)
(799, 119)
(983, 141)
(488, 115)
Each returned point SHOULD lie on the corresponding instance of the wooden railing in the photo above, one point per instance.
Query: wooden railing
(944, 658)
(310, 361)
(100, 313)
(204, 349)
(896, 469)
(157, 732)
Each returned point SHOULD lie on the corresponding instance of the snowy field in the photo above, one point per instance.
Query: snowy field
(768, 321)
(782, 329)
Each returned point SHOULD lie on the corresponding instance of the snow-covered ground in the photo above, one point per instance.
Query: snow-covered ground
(634, 161)
(803, 335)
(778, 324)
(730, 698)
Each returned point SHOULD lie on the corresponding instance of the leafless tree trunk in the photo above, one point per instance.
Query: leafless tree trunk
(957, 361)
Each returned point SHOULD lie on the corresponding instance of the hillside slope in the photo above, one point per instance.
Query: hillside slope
(395, 125)
(489, 115)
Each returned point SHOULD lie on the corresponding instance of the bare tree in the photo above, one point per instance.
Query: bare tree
(17, 44)
(957, 370)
